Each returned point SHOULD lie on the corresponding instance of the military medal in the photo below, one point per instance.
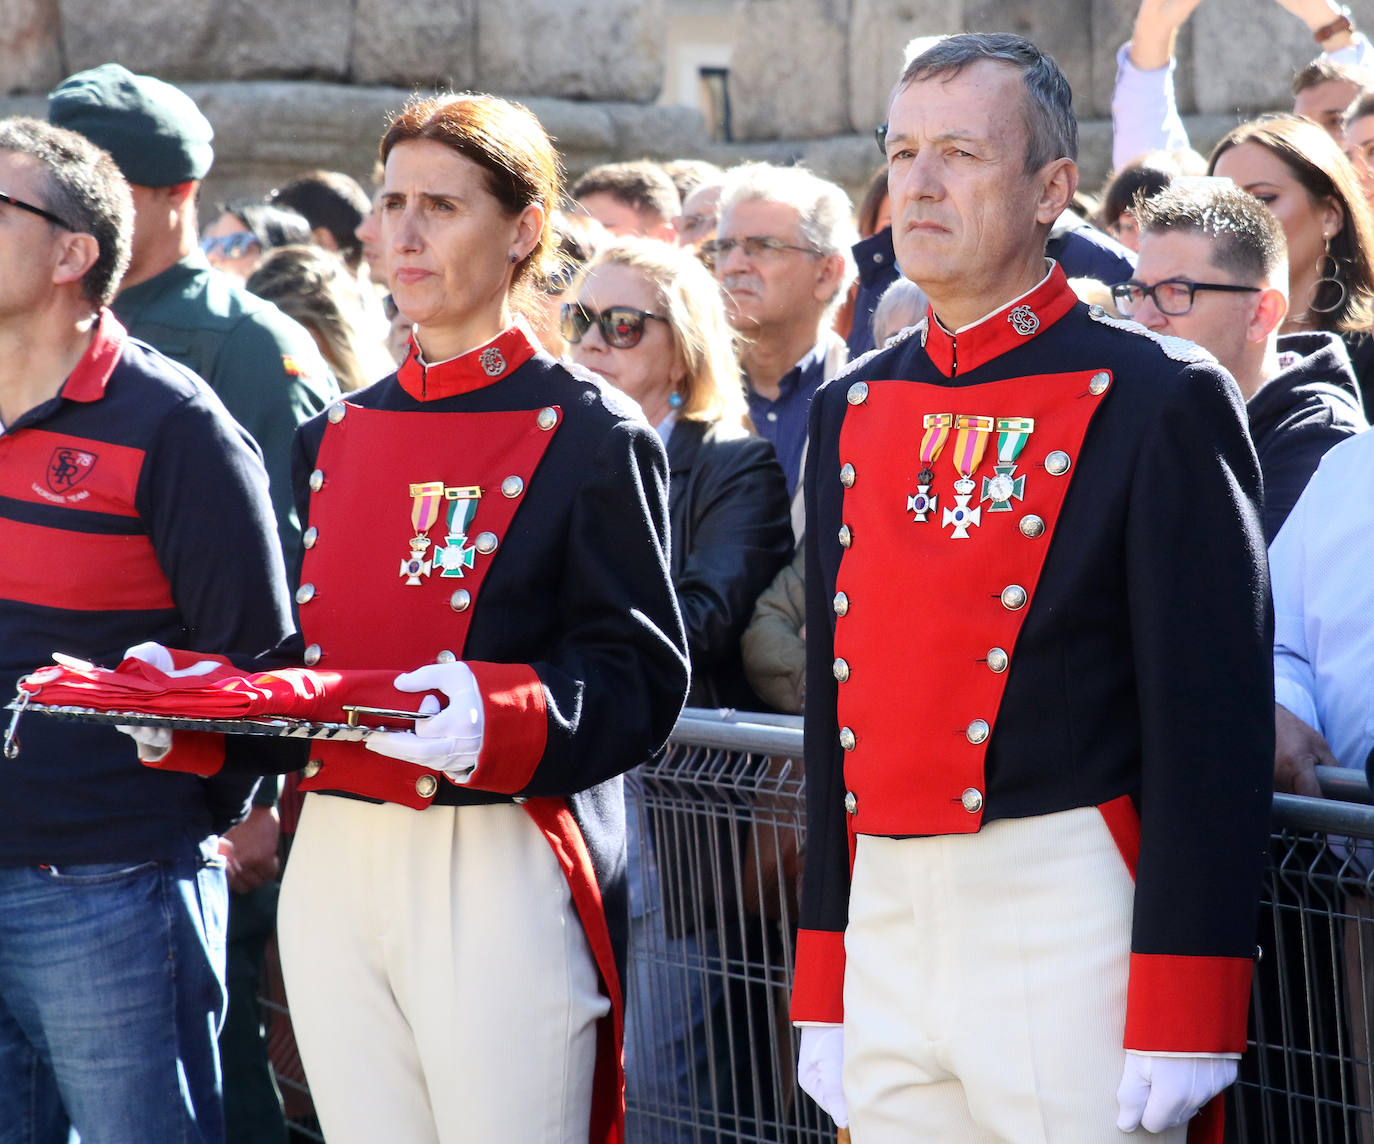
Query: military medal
(457, 553)
(424, 511)
(937, 426)
(969, 443)
(1012, 435)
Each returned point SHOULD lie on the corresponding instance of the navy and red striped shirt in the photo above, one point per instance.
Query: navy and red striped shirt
(132, 507)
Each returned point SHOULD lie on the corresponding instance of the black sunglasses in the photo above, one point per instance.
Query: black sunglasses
(621, 326)
(39, 211)
(1172, 297)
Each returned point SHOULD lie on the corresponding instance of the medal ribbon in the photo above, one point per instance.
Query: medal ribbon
(937, 427)
(425, 511)
(971, 441)
(462, 507)
(1012, 435)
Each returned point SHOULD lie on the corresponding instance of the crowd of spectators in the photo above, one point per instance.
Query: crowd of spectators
(719, 302)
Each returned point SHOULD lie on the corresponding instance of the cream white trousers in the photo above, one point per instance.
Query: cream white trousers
(440, 982)
(985, 986)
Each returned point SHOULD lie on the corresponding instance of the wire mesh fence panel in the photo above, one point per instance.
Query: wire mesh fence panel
(716, 840)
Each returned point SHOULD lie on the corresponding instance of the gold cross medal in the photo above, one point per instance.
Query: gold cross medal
(1012, 435)
(922, 502)
(424, 511)
(457, 553)
(969, 443)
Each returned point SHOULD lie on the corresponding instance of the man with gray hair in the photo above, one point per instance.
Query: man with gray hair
(1036, 813)
(781, 253)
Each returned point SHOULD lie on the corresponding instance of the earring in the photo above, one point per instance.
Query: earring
(1328, 278)
(514, 258)
(675, 400)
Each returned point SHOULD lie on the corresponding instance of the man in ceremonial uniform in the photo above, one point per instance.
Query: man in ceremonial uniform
(1036, 818)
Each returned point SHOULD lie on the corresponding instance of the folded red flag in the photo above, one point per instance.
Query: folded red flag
(221, 691)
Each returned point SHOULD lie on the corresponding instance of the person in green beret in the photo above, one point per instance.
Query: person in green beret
(270, 375)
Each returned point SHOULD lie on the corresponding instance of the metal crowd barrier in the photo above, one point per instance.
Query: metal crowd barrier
(719, 822)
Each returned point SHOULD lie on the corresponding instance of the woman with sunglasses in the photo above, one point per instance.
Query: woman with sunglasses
(649, 318)
(244, 232)
(452, 922)
(1297, 170)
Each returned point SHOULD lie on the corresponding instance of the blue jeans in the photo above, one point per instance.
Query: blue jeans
(111, 997)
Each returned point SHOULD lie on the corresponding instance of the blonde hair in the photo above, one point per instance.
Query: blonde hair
(690, 298)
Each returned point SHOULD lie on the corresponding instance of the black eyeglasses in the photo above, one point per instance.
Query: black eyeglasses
(39, 211)
(1172, 297)
(621, 326)
(755, 246)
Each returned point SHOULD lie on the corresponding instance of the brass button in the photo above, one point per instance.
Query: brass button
(317, 480)
(841, 669)
(486, 543)
(1013, 597)
(305, 593)
(336, 413)
(548, 418)
(1032, 527)
(847, 739)
(858, 393)
(460, 600)
(972, 800)
(445, 657)
(312, 655)
(847, 475)
(309, 536)
(1098, 386)
(312, 768)
(846, 537)
(851, 804)
(1057, 463)
(512, 487)
(841, 604)
(997, 660)
(977, 731)
(426, 786)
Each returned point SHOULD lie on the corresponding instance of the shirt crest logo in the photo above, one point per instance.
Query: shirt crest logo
(493, 364)
(1024, 321)
(68, 468)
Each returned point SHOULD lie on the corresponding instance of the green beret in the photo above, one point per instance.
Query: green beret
(154, 131)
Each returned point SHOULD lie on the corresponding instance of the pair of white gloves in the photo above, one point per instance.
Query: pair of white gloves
(449, 740)
(1156, 1092)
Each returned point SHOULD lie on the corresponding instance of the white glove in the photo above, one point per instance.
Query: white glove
(1159, 1092)
(450, 740)
(820, 1062)
(152, 743)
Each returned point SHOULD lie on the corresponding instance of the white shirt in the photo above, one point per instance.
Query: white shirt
(1322, 568)
(1145, 112)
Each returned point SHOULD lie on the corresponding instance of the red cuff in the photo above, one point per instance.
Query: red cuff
(193, 752)
(515, 727)
(818, 977)
(1177, 1004)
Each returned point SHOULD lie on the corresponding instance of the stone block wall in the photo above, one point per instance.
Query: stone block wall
(297, 83)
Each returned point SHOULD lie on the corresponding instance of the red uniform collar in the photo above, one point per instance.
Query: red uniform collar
(1017, 322)
(501, 356)
(88, 380)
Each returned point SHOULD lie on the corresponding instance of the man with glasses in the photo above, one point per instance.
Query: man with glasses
(781, 253)
(1036, 809)
(1214, 269)
(132, 508)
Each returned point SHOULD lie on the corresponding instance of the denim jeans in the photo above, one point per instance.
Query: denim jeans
(111, 997)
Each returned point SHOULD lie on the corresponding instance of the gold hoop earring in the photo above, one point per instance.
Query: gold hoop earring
(1328, 278)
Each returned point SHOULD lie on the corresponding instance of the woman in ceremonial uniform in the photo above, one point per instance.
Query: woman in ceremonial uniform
(493, 526)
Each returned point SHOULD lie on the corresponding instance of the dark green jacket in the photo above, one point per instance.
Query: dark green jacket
(263, 365)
